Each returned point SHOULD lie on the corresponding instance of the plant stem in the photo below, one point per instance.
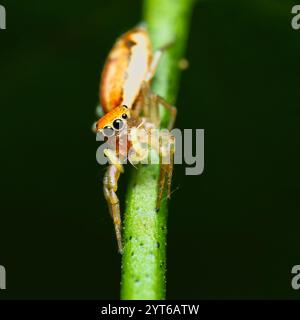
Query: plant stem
(144, 259)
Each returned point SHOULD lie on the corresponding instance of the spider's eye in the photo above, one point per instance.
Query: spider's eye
(124, 116)
(108, 131)
(118, 124)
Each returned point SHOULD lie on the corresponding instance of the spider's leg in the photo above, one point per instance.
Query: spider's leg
(155, 60)
(99, 113)
(166, 156)
(150, 103)
(154, 64)
(172, 110)
(110, 186)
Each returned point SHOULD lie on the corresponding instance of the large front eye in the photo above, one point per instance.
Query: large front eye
(118, 124)
(108, 131)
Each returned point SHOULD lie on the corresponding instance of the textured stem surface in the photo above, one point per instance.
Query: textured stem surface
(144, 259)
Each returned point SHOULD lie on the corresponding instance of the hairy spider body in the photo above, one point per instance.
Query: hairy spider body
(132, 115)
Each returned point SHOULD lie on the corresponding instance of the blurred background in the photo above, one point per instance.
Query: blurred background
(233, 231)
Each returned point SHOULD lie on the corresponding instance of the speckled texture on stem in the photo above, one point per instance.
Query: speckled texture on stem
(144, 259)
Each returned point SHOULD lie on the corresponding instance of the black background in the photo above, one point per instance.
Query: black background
(233, 231)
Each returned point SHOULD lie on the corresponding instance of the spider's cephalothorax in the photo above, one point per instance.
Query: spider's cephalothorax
(131, 109)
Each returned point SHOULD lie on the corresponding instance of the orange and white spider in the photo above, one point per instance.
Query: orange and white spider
(129, 106)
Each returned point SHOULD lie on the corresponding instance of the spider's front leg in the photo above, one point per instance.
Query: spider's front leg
(110, 186)
(166, 156)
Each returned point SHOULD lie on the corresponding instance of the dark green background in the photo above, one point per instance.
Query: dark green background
(233, 231)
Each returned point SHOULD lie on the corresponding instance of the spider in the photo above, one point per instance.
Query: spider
(131, 114)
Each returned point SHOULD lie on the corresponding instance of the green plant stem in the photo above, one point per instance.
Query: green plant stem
(144, 258)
